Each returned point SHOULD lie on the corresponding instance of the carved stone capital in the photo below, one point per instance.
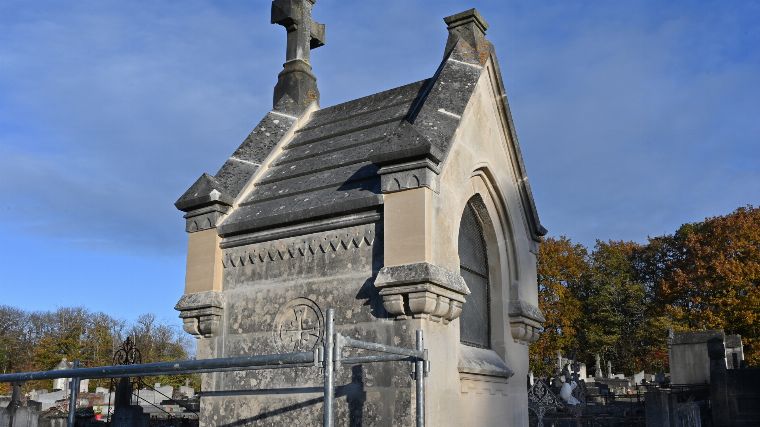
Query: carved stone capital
(205, 217)
(422, 291)
(525, 321)
(405, 176)
(204, 203)
(201, 313)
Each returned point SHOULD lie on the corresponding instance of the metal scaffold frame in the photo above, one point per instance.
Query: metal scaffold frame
(329, 356)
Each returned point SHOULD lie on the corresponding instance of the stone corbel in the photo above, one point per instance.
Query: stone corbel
(405, 176)
(201, 313)
(525, 321)
(422, 291)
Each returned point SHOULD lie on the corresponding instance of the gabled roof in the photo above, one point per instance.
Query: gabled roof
(240, 166)
(326, 168)
(330, 166)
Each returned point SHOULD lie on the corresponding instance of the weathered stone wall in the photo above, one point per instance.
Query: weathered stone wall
(734, 394)
(472, 386)
(690, 364)
(276, 294)
(477, 166)
(23, 417)
(454, 145)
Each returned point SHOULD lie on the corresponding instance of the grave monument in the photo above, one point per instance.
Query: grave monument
(689, 359)
(403, 210)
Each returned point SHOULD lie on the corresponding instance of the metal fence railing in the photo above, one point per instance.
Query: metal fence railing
(328, 356)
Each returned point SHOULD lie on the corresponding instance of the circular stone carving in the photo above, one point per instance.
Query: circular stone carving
(298, 325)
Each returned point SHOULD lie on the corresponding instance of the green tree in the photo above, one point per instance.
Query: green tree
(62, 336)
(618, 320)
(101, 339)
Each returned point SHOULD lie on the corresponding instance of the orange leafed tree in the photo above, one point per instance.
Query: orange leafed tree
(707, 276)
(561, 267)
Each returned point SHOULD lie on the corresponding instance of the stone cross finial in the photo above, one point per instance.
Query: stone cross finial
(296, 85)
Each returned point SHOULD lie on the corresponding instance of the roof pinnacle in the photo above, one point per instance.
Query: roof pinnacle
(296, 85)
(468, 27)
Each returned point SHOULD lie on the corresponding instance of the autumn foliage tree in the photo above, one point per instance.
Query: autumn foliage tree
(707, 276)
(37, 341)
(562, 266)
(159, 342)
(620, 299)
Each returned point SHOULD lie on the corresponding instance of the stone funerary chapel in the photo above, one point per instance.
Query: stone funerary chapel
(403, 210)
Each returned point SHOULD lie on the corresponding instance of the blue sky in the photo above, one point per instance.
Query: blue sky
(633, 116)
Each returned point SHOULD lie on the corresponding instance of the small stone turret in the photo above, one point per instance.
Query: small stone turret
(469, 27)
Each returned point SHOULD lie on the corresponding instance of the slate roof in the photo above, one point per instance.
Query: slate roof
(326, 167)
(239, 167)
(330, 166)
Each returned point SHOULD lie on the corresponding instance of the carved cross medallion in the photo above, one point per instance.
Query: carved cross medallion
(298, 325)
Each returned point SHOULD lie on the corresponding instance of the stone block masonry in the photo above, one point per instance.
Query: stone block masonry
(359, 207)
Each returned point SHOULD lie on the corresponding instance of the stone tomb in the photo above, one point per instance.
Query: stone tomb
(408, 209)
(688, 353)
(64, 384)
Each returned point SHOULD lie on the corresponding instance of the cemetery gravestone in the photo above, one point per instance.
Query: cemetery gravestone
(734, 351)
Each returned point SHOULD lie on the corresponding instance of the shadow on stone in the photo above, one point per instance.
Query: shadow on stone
(353, 391)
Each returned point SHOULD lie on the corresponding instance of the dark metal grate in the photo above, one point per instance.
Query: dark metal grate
(474, 324)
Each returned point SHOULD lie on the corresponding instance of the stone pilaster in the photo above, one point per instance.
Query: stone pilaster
(205, 205)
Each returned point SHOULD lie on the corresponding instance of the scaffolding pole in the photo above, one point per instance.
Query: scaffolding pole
(73, 396)
(330, 356)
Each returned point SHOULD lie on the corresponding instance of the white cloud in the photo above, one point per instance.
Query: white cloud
(633, 117)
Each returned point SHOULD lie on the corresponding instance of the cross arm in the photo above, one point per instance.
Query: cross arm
(317, 35)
